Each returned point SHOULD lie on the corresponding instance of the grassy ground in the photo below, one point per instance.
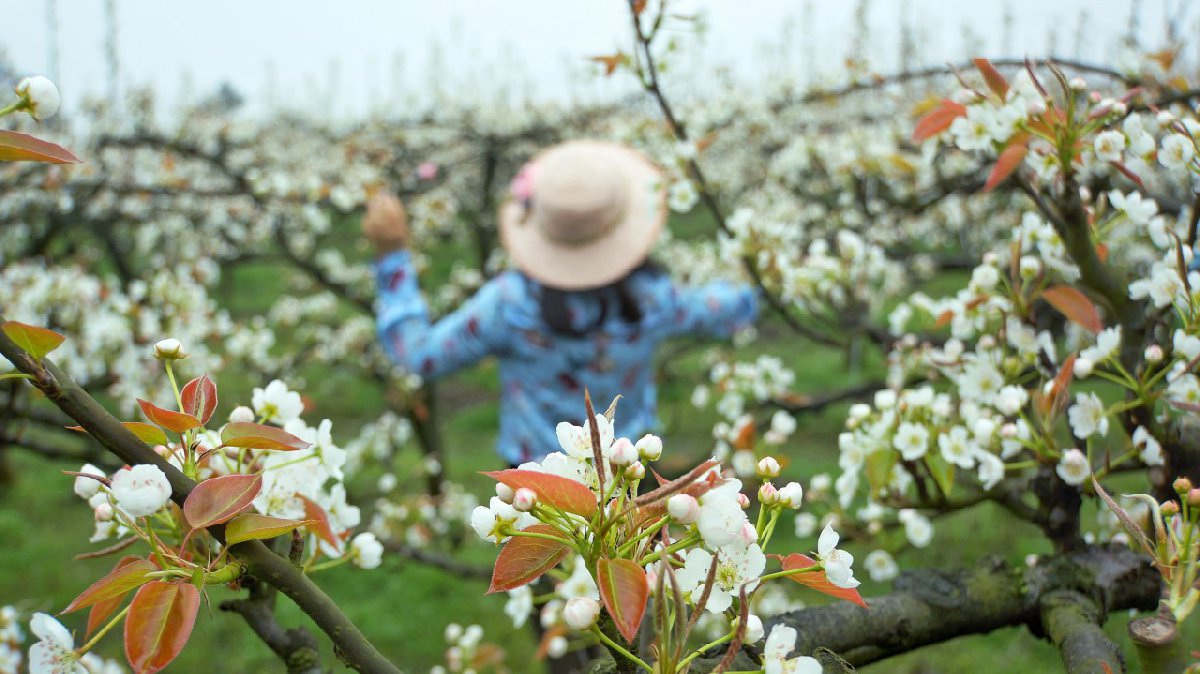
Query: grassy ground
(404, 606)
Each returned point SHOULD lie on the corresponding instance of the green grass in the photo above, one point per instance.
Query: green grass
(404, 606)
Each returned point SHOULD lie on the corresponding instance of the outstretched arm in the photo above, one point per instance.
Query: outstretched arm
(432, 350)
(717, 309)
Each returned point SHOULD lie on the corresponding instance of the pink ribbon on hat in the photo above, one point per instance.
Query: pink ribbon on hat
(522, 185)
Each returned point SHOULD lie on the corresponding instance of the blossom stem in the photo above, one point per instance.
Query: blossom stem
(1105, 470)
(650, 531)
(791, 572)
(618, 648)
(328, 565)
(766, 537)
(15, 107)
(82, 650)
(655, 556)
(700, 651)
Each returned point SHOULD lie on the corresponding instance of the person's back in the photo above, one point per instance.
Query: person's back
(564, 322)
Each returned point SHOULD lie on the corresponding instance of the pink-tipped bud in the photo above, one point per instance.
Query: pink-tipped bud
(768, 468)
(1193, 497)
(1169, 508)
(768, 495)
(684, 508)
(103, 512)
(635, 471)
(623, 452)
(1154, 353)
(743, 501)
(1182, 485)
(524, 499)
(505, 493)
(580, 613)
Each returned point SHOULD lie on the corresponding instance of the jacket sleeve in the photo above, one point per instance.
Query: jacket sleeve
(455, 341)
(716, 309)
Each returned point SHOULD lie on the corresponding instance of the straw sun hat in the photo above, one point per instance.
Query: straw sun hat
(583, 214)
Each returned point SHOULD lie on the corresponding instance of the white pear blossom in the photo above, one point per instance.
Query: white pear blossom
(276, 403)
(957, 448)
(366, 552)
(780, 643)
(519, 605)
(54, 652)
(1073, 467)
(576, 441)
(737, 566)
(1109, 145)
(86, 487)
(837, 563)
(911, 440)
(721, 516)
(141, 490)
(881, 566)
(1149, 449)
(44, 99)
(1177, 152)
(579, 584)
(1107, 344)
(917, 528)
(1087, 416)
(580, 613)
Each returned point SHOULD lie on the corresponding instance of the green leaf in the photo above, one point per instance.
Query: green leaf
(942, 471)
(879, 468)
(151, 435)
(35, 341)
(249, 435)
(252, 526)
(119, 581)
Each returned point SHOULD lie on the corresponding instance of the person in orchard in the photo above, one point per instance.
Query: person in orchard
(584, 309)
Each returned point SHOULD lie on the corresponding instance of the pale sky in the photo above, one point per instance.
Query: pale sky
(345, 58)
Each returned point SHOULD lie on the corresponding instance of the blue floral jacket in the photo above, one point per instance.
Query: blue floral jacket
(542, 373)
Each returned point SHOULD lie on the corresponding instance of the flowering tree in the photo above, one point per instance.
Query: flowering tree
(1062, 367)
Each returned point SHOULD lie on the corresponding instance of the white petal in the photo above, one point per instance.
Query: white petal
(828, 541)
(48, 629)
(806, 665)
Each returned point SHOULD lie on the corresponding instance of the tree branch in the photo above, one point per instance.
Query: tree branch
(931, 606)
(296, 646)
(351, 646)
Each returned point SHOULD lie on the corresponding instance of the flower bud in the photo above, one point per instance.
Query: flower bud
(791, 495)
(1169, 508)
(768, 468)
(623, 452)
(1084, 367)
(1119, 108)
(86, 487)
(241, 414)
(42, 95)
(557, 647)
(1077, 84)
(103, 512)
(635, 471)
(1094, 97)
(684, 508)
(169, 349)
(524, 499)
(754, 629)
(1193, 497)
(650, 447)
(505, 493)
(1182, 485)
(1153, 353)
(580, 613)
(743, 501)
(768, 495)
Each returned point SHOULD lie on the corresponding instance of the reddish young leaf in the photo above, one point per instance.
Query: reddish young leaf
(1008, 162)
(217, 500)
(320, 522)
(35, 341)
(251, 526)
(200, 398)
(102, 610)
(249, 435)
(817, 579)
(1076, 306)
(23, 147)
(151, 435)
(168, 419)
(560, 492)
(625, 592)
(524, 560)
(159, 623)
(992, 77)
(610, 62)
(938, 120)
(1128, 173)
(119, 581)
(1049, 403)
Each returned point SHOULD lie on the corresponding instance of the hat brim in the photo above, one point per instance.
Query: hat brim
(603, 260)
